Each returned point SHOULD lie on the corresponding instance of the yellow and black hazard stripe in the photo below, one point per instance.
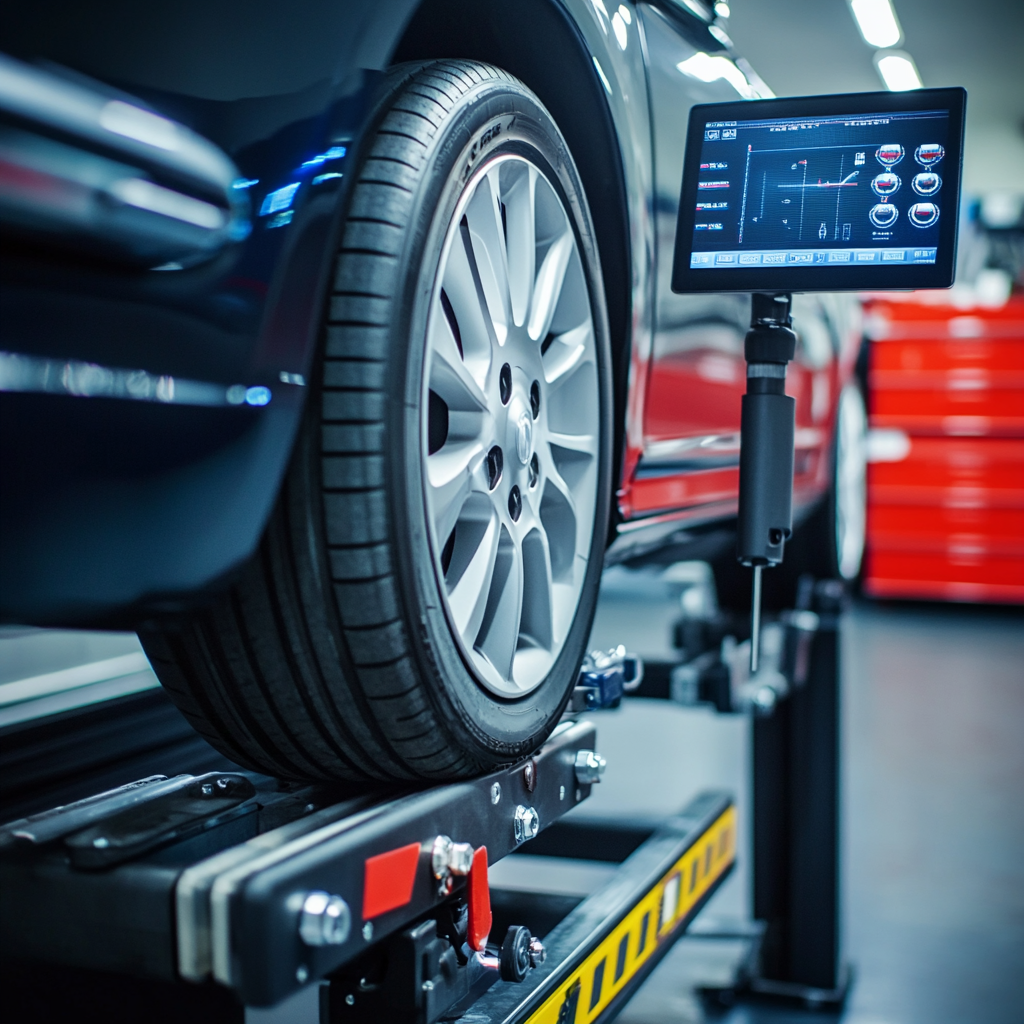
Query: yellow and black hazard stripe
(653, 921)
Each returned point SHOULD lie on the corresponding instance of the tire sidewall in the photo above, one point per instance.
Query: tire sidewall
(492, 118)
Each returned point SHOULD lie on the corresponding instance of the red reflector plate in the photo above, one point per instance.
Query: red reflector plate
(388, 880)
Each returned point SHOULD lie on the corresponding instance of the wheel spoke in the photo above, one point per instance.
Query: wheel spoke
(472, 569)
(566, 351)
(548, 287)
(461, 283)
(486, 242)
(499, 629)
(518, 196)
(450, 476)
(583, 444)
(450, 377)
(536, 623)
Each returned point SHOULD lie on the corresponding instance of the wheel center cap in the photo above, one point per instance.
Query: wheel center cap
(524, 437)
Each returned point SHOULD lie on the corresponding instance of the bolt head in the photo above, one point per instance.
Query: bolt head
(526, 823)
(530, 776)
(589, 767)
(460, 858)
(325, 920)
(515, 504)
(495, 792)
(538, 954)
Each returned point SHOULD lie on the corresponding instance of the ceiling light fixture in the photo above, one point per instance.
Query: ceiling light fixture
(897, 70)
(877, 22)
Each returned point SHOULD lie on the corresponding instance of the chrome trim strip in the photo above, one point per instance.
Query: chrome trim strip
(692, 448)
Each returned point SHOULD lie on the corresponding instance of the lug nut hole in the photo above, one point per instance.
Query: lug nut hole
(495, 461)
(534, 470)
(515, 504)
(505, 383)
(535, 399)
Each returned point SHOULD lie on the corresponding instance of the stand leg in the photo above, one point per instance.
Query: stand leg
(796, 825)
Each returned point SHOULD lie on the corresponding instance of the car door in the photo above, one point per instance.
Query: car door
(697, 373)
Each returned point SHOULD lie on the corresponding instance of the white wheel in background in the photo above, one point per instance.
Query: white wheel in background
(850, 482)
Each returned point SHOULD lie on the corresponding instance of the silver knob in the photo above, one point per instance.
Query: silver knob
(538, 954)
(589, 767)
(526, 823)
(325, 920)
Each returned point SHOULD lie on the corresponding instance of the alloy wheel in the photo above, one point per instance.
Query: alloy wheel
(511, 425)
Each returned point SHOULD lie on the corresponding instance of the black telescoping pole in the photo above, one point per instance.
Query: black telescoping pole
(766, 446)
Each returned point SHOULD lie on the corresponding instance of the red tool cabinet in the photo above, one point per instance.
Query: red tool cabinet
(946, 477)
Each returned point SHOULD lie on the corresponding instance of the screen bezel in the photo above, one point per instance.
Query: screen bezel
(821, 278)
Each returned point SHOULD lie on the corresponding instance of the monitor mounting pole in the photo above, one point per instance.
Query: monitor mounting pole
(766, 446)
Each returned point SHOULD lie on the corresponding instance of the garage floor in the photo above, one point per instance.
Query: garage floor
(933, 811)
(934, 807)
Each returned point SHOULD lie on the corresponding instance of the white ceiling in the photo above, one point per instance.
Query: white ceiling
(801, 47)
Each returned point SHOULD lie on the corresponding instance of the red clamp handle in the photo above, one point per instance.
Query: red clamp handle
(479, 899)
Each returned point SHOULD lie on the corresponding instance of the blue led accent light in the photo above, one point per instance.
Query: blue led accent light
(334, 153)
(278, 200)
(257, 395)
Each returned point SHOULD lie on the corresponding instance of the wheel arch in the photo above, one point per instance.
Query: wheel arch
(539, 43)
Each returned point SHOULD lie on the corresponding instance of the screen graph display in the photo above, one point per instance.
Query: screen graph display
(820, 191)
(821, 197)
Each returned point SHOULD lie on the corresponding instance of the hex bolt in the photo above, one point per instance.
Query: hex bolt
(526, 823)
(450, 858)
(530, 776)
(325, 919)
(495, 792)
(515, 504)
(535, 399)
(589, 766)
(495, 462)
(505, 383)
(538, 954)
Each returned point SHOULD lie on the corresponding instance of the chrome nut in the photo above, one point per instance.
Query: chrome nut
(325, 920)
(589, 766)
(526, 823)
(538, 954)
(450, 858)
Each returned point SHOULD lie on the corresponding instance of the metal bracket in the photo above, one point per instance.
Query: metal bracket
(605, 677)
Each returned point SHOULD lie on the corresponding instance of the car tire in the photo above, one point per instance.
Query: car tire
(465, 352)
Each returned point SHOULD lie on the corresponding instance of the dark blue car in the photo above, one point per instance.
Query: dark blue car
(337, 348)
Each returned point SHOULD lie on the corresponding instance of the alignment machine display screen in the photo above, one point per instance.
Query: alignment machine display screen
(793, 193)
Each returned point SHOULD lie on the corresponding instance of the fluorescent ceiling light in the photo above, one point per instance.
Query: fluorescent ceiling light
(898, 71)
(877, 22)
